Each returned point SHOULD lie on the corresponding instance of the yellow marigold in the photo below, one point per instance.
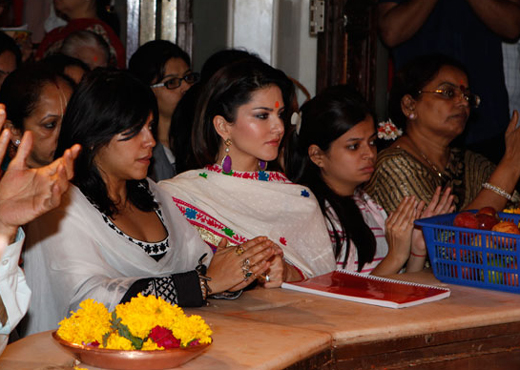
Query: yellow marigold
(117, 342)
(150, 345)
(191, 328)
(130, 324)
(142, 314)
(88, 324)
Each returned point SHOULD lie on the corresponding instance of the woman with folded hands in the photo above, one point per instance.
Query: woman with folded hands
(117, 234)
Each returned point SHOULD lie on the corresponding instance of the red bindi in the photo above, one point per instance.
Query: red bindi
(277, 104)
(95, 58)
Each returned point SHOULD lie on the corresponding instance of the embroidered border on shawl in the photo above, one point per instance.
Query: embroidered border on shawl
(201, 219)
(258, 175)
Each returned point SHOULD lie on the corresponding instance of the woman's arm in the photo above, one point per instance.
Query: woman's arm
(506, 174)
(399, 22)
(228, 271)
(500, 16)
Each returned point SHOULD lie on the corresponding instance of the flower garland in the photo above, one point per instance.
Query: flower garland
(145, 323)
(387, 130)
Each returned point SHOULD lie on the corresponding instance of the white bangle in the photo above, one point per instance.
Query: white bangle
(497, 190)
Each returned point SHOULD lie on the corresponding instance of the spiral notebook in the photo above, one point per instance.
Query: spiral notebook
(369, 289)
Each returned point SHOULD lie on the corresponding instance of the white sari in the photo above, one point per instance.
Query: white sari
(243, 205)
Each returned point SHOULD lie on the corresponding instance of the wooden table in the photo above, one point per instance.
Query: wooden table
(276, 329)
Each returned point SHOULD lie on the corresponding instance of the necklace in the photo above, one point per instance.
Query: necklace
(430, 163)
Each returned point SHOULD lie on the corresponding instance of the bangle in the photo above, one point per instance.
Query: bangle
(203, 279)
(417, 255)
(497, 190)
(204, 287)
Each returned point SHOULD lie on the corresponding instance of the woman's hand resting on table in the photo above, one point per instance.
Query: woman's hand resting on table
(279, 271)
(234, 268)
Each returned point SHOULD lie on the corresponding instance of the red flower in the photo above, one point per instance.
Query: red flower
(164, 338)
(283, 241)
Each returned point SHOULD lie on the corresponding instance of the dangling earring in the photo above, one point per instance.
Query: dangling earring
(262, 165)
(226, 161)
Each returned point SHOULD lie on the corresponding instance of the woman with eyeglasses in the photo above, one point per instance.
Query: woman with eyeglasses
(431, 102)
(165, 67)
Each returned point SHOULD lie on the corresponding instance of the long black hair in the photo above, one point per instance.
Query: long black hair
(229, 88)
(106, 102)
(325, 118)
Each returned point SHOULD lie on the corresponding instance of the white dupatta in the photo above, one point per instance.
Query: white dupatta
(244, 205)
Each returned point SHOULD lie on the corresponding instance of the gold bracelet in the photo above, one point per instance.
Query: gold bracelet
(497, 190)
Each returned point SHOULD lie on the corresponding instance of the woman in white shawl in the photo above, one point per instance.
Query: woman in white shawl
(116, 234)
(238, 128)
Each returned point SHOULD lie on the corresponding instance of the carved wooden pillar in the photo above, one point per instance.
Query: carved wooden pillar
(347, 47)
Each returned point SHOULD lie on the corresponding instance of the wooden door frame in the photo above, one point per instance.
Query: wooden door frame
(347, 47)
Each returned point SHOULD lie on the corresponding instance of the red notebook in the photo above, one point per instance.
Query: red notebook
(369, 289)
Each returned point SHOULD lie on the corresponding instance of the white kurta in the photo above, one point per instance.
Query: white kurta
(72, 254)
(13, 288)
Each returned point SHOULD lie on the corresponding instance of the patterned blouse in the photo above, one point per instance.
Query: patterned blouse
(399, 174)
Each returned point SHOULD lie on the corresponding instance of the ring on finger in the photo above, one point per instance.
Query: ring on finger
(239, 250)
(246, 262)
(247, 275)
(267, 278)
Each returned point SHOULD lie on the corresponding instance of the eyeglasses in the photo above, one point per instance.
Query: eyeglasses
(175, 82)
(452, 92)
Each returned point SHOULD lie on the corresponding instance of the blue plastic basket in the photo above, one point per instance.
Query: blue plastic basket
(477, 258)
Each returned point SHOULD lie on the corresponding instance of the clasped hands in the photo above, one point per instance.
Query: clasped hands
(234, 268)
(406, 241)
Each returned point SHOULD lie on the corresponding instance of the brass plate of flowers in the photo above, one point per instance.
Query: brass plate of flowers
(133, 359)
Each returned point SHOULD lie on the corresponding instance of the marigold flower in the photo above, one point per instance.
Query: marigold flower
(87, 325)
(144, 323)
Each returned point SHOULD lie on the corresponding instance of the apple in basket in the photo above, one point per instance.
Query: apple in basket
(467, 220)
(486, 221)
(488, 211)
